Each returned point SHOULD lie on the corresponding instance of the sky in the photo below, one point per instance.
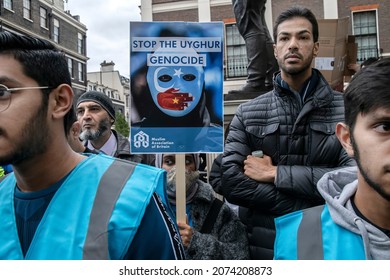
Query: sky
(108, 36)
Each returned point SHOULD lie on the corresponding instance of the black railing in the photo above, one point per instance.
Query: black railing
(236, 67)
(364, 53)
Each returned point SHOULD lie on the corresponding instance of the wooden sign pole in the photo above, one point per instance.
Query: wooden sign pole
(180, 188)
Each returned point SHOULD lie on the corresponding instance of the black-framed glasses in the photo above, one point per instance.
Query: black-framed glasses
(5, 95)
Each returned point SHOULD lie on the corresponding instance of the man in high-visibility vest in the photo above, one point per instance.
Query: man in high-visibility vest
(59, 204)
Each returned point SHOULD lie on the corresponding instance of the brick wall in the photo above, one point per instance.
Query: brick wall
(316, 6)
(383, 18)
(17, 17)
(220, 13)
(183, 15)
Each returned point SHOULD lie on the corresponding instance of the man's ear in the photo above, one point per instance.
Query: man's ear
(316, 49)
(343, 133)
(62, 100)
(75, 130)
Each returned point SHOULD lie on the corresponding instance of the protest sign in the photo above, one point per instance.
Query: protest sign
(176, 73)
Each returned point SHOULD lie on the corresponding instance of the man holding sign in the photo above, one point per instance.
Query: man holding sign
(212, 230)
(176, 71)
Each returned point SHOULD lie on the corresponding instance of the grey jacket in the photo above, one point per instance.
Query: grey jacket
(227, 240)
(337, 188)
(123, 150)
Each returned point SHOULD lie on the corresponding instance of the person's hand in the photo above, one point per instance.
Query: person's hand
(260, 169)
(186, 233)
(172, 99)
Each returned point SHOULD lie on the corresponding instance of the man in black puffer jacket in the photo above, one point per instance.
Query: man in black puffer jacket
(294, 126)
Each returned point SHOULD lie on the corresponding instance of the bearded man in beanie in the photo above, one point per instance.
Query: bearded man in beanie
(96, 114)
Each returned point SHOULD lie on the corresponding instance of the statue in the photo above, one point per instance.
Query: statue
(250, 18)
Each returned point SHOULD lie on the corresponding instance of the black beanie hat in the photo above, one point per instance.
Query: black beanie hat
(100, 98)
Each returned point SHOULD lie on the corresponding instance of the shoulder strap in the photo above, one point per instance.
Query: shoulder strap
(211, 216)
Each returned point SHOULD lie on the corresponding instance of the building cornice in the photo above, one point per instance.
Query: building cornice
(69, 19)
(185, 5)
(65, 16)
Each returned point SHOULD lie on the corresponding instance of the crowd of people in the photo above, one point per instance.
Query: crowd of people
(304, 174)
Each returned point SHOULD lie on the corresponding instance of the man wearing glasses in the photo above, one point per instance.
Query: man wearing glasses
(58, 204)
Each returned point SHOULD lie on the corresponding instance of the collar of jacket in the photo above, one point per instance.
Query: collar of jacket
(321, 92)
(123, 144)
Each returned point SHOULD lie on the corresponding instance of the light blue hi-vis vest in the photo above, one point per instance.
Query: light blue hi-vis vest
(93, 215)
(311, 234)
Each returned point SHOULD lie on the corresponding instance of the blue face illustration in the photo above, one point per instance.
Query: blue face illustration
(176, 90)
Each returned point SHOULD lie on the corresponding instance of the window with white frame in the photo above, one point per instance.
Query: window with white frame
(236, 59)
(80, 71)
(27, 9)
(56, 30)
(365, 32)
(70, 67)
(8, 4)
(43, 17)
(80, 43)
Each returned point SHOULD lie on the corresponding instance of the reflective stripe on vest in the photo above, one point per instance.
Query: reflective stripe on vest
(95, 246)
(310, 235)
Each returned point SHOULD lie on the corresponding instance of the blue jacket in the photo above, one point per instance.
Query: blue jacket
(95, 214)
(311, 234)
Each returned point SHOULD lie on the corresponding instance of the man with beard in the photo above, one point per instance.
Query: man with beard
(294, 127)
(355, 221)
(74, 139)
(213, 231)
(59, 204)
(96, 114)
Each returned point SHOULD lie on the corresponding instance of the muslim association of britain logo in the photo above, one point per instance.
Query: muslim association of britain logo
(141, 140)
